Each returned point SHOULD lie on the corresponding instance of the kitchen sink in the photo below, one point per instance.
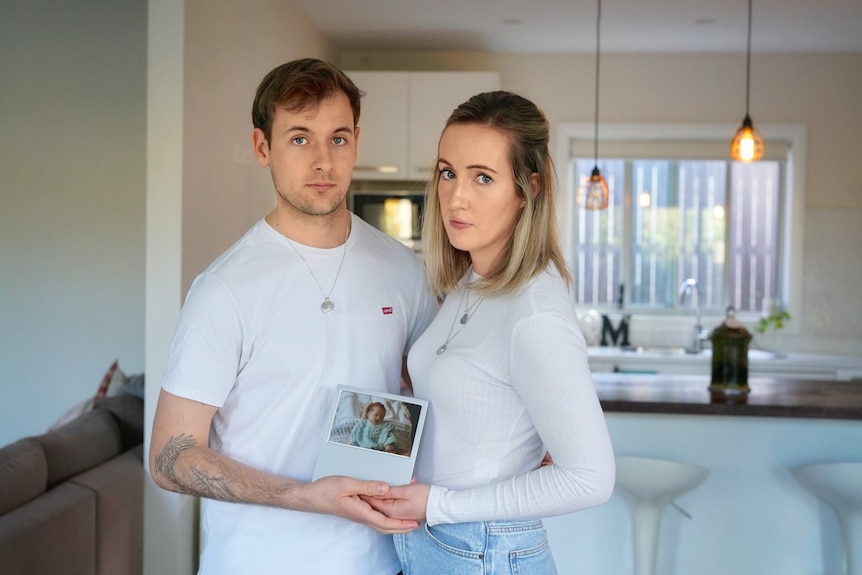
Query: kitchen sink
(657, 350)
(673, 351)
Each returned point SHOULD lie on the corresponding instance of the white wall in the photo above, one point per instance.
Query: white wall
(229, 47)
(820, 91)
(203, 190)
(72, 120)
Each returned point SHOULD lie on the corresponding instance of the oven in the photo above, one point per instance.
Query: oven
(396, 212)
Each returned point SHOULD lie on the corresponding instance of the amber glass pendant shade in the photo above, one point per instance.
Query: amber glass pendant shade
(747, 145)
(593, 192)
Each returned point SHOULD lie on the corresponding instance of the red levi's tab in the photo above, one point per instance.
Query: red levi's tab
(386, 310)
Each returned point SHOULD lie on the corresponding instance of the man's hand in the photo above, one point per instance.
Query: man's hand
(403, 501)
(350, 499)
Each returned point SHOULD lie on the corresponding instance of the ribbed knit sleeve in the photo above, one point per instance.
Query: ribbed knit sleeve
(549, 374)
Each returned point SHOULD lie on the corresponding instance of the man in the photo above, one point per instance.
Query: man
(309, 298)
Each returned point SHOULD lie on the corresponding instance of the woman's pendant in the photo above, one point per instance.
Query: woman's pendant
(327, 306)
(464, 318)
(441, 349)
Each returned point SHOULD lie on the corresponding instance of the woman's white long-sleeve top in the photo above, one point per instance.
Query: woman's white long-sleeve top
(513, 382)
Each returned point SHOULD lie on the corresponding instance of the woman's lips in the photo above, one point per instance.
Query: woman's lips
(458, 224)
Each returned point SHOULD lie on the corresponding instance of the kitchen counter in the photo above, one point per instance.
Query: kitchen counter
(689, 394)
(664, 359)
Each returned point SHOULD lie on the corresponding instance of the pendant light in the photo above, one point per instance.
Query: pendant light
(747, 145)
(593, 192)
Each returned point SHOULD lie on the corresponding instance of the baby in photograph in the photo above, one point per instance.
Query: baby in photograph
(372, 431)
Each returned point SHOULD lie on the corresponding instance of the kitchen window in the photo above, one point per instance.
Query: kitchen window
(680, 208)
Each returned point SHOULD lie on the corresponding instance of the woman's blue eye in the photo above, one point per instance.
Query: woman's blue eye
(447, 174)
(484, 179)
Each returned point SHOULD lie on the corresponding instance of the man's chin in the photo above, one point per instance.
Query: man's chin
(321, 209)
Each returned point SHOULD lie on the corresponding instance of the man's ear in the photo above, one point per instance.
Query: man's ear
(261, 147)
(355, 143)
(534, 183)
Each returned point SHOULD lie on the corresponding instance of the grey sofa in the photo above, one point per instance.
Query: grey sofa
(71, 500)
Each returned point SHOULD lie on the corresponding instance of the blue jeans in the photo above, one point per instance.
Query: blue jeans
(481, 548)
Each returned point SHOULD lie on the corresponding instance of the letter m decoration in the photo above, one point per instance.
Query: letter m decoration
(615, 333)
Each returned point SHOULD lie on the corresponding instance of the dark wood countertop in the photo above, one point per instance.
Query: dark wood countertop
(690, 395)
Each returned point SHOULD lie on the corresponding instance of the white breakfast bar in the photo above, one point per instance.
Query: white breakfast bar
(750, 516)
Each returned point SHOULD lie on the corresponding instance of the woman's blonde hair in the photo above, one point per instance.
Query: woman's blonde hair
(535, 241)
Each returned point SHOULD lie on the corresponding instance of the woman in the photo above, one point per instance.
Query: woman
(504, 364)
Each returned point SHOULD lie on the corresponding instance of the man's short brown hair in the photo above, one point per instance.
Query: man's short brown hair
(297, 85)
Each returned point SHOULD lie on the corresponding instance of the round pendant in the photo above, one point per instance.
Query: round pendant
(441, 349)
(327, 306)
(464, 318)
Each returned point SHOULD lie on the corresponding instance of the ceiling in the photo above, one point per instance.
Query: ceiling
(564, 26)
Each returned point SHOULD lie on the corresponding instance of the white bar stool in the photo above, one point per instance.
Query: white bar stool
(840, 485)
(648, 485)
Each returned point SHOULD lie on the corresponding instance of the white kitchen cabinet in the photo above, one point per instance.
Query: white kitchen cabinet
(402, 116)
(383, 129)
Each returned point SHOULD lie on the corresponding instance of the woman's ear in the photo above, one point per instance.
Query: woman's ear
(534, 183)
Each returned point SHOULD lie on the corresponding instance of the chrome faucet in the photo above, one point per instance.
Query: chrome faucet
(698, 333)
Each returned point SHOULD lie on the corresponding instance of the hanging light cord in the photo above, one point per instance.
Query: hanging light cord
(596, 121)
(748, 62)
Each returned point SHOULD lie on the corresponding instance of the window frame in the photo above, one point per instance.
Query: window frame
(791, 234)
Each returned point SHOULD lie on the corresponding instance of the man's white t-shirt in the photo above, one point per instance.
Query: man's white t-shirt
(252, 341)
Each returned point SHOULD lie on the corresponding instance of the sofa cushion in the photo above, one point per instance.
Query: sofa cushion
(128, 410)
(119, 488)
(80, 445)
(23, 473)
(53, 534)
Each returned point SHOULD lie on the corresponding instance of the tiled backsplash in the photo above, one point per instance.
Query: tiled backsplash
(831, 319)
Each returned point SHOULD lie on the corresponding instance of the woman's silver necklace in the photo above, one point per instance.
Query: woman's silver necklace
(328, 305)
(468, 313)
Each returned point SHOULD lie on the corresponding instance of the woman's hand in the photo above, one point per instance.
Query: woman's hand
(402, 502)
(351, 499)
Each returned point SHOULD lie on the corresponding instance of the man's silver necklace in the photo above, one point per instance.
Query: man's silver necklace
(328, 305)
(468, 313)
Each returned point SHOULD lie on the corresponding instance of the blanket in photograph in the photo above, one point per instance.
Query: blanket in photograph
(349, 412)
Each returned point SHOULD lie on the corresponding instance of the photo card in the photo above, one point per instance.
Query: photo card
(372, 435)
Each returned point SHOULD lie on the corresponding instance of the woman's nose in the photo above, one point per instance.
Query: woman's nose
(456, 198)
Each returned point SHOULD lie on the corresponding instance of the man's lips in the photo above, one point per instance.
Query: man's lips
(321, 186)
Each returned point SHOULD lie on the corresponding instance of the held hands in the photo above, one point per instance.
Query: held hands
(350, 499)
(403, 501)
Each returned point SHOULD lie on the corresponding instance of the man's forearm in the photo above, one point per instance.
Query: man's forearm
(184, 467)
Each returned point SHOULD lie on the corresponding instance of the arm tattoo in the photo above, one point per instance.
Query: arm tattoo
(168, 457)
(202, 485)
(212, 487)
